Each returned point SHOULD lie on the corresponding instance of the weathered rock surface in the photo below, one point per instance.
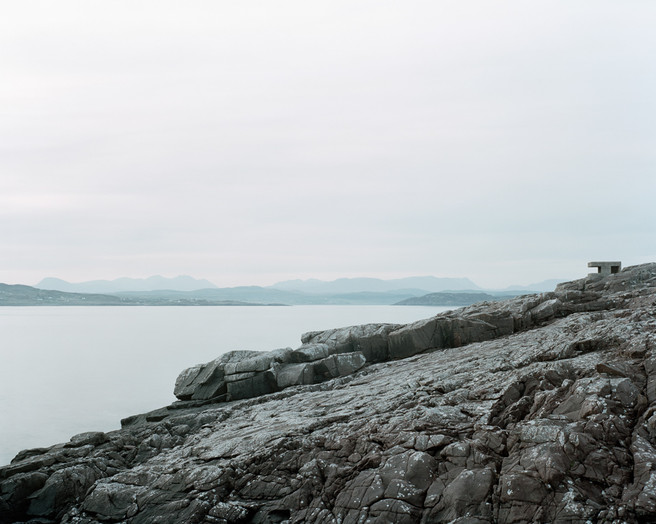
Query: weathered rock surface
(324, 355)
(540, 408)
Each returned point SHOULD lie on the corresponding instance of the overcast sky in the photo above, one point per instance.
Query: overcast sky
(248, 142)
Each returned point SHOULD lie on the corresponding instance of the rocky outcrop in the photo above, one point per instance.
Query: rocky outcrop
(537, 409)
(240, 375)
(324, 355)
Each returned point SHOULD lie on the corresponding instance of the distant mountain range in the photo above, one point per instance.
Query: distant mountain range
(271, 295)
(409, 286)
(181, 283)
(376, 285)
(186, 290)
(18, 295)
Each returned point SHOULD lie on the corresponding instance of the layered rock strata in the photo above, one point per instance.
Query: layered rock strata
(537, 409)
(324, 355)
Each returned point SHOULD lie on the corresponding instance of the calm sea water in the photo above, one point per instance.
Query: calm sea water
(66, 370)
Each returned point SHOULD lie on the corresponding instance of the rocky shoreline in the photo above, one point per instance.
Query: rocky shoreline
(538, 408)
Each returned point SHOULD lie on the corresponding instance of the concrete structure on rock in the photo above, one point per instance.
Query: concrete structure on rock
(606, 268)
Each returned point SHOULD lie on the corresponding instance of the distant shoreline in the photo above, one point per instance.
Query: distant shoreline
(15, 295)
(27, 296)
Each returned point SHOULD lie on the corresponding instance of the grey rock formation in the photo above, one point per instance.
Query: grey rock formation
(538, 409)
(324, 355)
(206, 381)
(372, 340)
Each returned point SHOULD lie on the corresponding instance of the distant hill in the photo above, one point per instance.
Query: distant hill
(410, 285)
(17, 295)
(253, 294)
(448, 299)
(186, 290)
(265, 295)
(180, 283)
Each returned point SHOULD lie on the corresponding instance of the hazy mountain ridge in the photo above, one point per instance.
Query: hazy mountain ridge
(179, 283)
(245, 293)
(426, 284)
(269, 295)
(184, 290)
(20, 295)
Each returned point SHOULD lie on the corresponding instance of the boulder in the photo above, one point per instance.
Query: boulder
(94, 438)
(338, 366)
(312, 352)
(185, 383)
(369, 339)
(205, 381)
(249, 385)
(318, 371)
(447, 332)
(294, 374)
(258, 362)
(547, 310)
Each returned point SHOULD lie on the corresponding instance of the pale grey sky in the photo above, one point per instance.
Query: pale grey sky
(250, 142)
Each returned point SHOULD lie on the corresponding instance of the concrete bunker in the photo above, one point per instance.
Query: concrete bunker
(606, 268)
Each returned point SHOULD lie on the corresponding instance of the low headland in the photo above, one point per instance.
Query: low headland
(538, 408)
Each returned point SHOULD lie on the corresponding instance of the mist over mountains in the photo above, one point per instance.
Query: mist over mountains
(159, 290)
(376, 285)
(179, 283)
